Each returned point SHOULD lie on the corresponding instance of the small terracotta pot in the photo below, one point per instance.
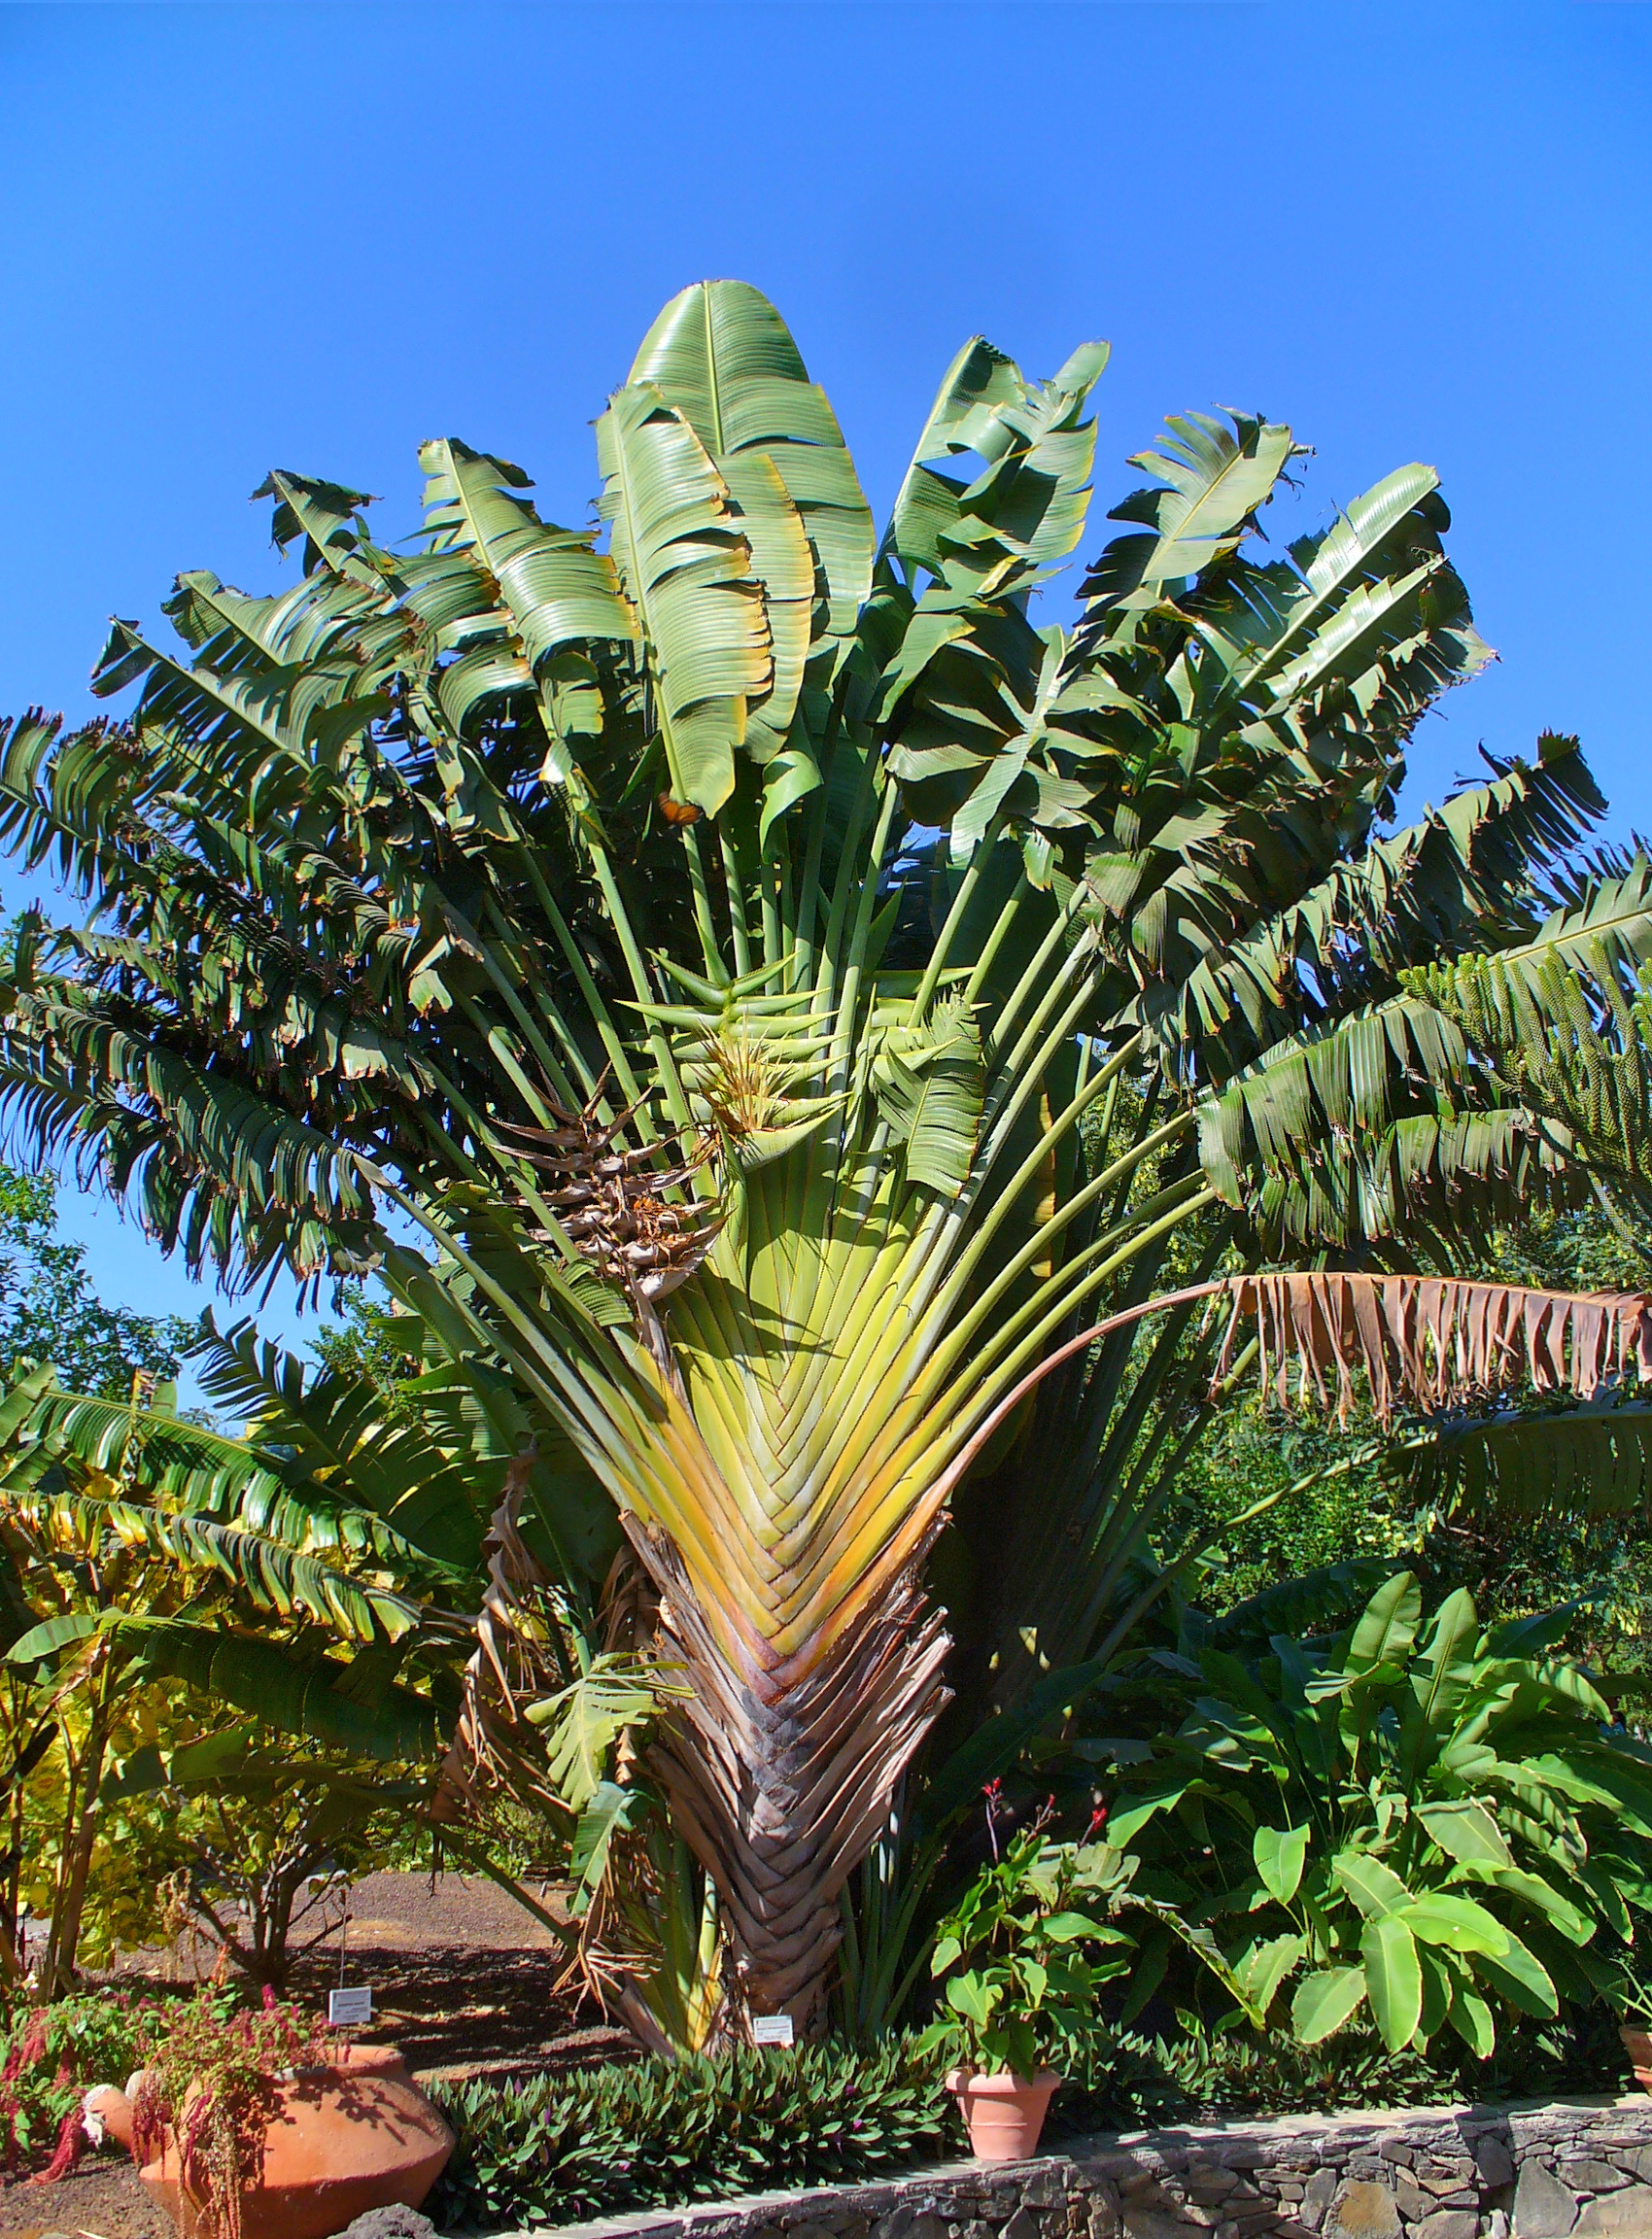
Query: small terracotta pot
(354, 2135)
(1005, 2113)
(1637, 2044)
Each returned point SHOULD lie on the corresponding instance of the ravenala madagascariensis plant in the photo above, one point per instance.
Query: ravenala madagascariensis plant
(778, 984)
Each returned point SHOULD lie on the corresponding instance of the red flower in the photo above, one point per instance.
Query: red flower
(1098, 1820)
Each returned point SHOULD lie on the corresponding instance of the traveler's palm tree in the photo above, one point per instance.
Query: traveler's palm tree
(739, 978)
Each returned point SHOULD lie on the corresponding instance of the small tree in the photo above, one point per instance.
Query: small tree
(49, 1311)
(269, 1842)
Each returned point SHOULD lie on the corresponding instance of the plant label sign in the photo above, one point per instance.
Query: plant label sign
(350, 2009)
(771, 2029)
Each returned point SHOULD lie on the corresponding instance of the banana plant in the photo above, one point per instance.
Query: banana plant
(757, 994)
(1417, 1826)
(322, 1572)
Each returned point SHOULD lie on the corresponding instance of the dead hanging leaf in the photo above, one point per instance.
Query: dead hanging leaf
(1431, 1342)
(1425, 1341)
(626, 1212)
(493, 1749)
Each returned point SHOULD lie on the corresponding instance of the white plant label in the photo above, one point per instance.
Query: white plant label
(771, 2029)
(350, 2009)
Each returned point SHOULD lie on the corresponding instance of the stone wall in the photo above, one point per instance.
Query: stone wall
(1581, 2169)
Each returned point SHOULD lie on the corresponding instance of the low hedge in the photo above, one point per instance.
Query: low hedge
(659, 2133)
(1120, 2081)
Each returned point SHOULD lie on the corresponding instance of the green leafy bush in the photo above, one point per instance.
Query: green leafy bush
(661, 2132)
(49, 2056)
(1417, 1828)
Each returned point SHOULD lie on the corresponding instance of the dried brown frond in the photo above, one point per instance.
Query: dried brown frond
(494, 1751)
(1432, 1342)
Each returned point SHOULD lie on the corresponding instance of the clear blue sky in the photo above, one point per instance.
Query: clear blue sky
(309, 236)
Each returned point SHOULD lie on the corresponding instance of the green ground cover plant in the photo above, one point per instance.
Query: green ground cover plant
(656, 2134)
(659, 2132)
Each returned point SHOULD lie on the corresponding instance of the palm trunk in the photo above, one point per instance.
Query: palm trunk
(780, 1778)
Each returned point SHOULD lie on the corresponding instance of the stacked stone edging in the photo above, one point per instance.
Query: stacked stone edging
(1573, 2169)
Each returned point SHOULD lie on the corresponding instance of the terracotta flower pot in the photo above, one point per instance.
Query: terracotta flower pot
(1005, 2113)
(1637, 2044)
(107, 2113)
(340, 2139)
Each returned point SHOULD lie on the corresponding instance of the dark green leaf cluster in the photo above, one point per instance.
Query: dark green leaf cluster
(1432, 1825)
(612, 2140)
(1121, 2081)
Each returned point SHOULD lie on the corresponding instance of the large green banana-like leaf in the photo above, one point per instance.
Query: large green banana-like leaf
(328, 517)
(1213, 479)
(296, 1692)
(1332, 562)
(263, 1567)
(1566, 1027)
(1420, 1139)
(1451, 874)
(687, 569)
(721, 356)
(979, 381)
(585, 1718)
(1593, 1460)
(555, 589)
(424, 1496)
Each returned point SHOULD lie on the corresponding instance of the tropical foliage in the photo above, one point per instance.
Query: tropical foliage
(1420, 1826)
(656, 2133)
(240, 1654)
(50, 1309)
(786, 995)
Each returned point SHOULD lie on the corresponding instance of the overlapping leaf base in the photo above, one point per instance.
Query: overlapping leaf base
(780, 1784)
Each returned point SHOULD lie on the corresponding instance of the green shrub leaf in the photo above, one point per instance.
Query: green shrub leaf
(1393, 1980)
(1326, 2001)
(1279, 1857)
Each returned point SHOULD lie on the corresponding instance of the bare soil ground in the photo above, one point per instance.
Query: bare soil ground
(464, 1980)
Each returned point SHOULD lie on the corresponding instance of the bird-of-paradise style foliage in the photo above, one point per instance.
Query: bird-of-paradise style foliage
(752, 989)
(1464, 1828)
